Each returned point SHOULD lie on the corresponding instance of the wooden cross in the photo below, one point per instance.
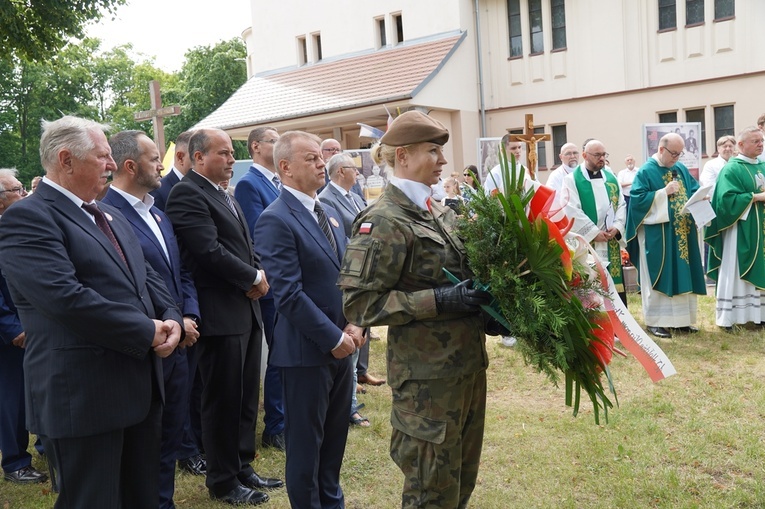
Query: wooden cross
(530, 139)
(157, 114)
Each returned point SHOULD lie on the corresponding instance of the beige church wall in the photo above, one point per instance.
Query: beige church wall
(617, 119)
(346, 26)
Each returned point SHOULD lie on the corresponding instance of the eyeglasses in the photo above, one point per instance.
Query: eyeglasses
(271, 141)
(332, 150)
(17, 190)
(598, 155)
(349, 168)
(674, 155)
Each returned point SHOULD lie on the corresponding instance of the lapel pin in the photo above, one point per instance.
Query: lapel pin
(108, 216)
(334, 222)
(159, 219)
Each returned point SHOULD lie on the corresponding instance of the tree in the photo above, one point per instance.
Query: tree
(36, 30)
(209, 76)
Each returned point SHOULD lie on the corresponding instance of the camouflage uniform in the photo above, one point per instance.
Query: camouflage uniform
(436, 362)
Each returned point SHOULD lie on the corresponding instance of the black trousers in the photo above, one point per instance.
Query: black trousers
(230, 370)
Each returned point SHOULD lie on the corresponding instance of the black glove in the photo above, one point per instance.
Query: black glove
(460, 298)
(493, 328)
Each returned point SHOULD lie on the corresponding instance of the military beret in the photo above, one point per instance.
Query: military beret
(415, 127)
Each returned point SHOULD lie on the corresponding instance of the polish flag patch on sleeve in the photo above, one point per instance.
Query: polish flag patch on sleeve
(365, 229)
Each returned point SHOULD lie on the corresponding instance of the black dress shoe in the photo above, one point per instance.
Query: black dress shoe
(659, 332)
(195, 465)
(687, 330)
(26, 475)
(241, 495)
(256, 482)
(275, 441)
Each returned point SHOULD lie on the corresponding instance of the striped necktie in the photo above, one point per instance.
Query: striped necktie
(324, 224)
(228, 200)
(103, 225)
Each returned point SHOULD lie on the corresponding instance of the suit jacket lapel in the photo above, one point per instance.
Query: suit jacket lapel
(307, 220)
(268, 186)
(68, 209)
(116, 200)
(342, 200)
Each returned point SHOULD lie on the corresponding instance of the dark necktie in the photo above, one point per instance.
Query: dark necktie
(103, 225)
(277, 182)
(324, 224)
(353, 202)
(229, 202)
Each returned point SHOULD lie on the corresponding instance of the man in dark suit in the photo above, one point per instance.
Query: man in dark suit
(181, 166)
(339, 195)
(14, 437)
(216, 247)
(97, 320)
(256, 190)
(301, 244)
(138, 172)
(189, 457)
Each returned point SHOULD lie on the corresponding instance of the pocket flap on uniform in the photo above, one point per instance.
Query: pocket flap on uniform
(424, 232)
(417, 426)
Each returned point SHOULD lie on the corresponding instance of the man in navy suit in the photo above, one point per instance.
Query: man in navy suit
(301, 244)
(189, 458)
(181, 166)
(138, 172)
(97, 320)
(217, 248)
(256, 190)
(14, 437)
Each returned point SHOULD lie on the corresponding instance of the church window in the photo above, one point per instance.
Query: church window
(724, 121)
(559, 137)
(558, 14)
(316, 39)
(399, 22)
(535, 25)
(698, 116)
(302, 49)
(382, 36)
(667, 15)
(724, 9)
(694, 12)
(668, 118)
(514, 24)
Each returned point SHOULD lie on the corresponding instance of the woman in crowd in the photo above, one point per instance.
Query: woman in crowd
(392, 275)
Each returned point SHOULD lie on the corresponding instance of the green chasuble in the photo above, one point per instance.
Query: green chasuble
(735, 186)
(589, 207)
(672, 248)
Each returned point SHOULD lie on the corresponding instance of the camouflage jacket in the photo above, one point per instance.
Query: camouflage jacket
(390, 268)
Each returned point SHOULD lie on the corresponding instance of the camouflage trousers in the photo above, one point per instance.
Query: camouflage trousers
(437, 438)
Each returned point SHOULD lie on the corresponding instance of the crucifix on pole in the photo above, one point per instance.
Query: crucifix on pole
(530, 139)
(157, 114)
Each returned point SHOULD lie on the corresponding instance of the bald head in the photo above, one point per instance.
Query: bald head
(595, 156)
(569, 155)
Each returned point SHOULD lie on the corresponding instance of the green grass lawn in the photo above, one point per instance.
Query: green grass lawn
(694, 440)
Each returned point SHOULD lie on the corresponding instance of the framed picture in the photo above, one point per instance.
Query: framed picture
(488, 155)
(372, 177)
(690, 132)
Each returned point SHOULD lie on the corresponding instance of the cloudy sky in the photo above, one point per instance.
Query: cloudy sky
(166, 29)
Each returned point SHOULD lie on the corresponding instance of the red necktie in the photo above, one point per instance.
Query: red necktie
(103, 225)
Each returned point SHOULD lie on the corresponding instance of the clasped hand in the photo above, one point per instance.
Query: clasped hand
(260, 289)
(167, 334)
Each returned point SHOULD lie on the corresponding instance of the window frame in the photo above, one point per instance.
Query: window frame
(538, 35)
(514, 37)
(667, 6)
(555, 6)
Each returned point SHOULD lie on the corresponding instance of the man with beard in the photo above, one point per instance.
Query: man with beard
(569, 159)
(138, 173)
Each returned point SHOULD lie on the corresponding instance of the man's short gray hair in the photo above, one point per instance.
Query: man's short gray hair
(67, 133)
(336, 161)
(747, 130)
(5, 174)
(283, 147)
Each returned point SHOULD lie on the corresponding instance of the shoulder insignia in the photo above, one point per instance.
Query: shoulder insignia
(365, 229)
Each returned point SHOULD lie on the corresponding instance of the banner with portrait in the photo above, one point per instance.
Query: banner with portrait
(689, 131)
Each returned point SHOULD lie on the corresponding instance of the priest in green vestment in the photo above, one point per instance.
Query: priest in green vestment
(594, 201)
(737, 235)
(663, 242)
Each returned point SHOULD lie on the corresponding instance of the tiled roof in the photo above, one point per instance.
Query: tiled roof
(372, 78)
